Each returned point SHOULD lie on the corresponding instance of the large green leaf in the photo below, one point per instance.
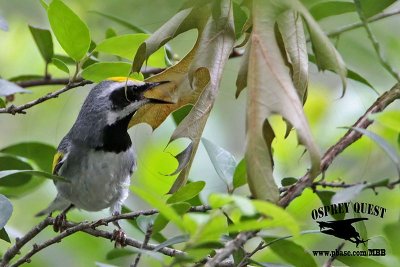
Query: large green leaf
(103, 70)
(271, 91)
(291, 252)
(41, 154)
(240, 174)
(9, 88)
(6, 210)
(127, 45)
(44, 42)
(70, 31)
(187, 192)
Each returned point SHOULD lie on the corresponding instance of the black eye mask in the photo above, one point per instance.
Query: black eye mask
(122, 97)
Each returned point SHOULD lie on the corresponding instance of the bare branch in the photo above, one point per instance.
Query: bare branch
(12, 109)
(46, 81)
(89, 228)
(374, 41)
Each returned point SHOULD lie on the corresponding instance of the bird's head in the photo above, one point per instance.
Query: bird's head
(119, 97)
(110, 105)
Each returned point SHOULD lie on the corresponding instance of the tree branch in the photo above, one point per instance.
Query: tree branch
(307, 180)
(329, 262)
(89, 228)
(12, 109)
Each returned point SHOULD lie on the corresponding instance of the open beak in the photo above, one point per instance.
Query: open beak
(155, 94)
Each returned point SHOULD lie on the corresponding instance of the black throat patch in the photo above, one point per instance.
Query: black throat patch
(115, 136)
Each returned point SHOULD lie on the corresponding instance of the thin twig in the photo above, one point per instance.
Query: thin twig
(356, 25)
(146, 240)
(12, 109)
(374, 41)
(45, 81)
(329, 262)
(307, 180)
(246, 258)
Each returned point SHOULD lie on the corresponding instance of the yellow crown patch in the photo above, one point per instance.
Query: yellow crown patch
(122, 79)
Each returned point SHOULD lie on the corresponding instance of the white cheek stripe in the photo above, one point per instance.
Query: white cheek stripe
(114, 116)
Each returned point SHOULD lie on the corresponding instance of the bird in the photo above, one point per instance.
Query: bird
(96, 157)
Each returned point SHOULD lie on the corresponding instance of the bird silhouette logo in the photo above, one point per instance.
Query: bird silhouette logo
(343, 229)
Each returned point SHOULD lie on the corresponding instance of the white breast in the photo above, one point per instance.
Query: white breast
(99, 179)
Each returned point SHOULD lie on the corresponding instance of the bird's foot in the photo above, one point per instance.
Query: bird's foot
(119, 237)
(60, 223)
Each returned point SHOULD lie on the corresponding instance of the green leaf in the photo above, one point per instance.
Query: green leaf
(348, 194)
(331, 8)
(8, 162)
(172, 241)
(44, 42)
(6, 210)
(392, 234)
(279, 216)
(41, 154)
(60, 65)
(206, 228)
(240, 19)
(359, 261)
(187, 192)
(223, 161)
(119, 253)
(326, 199)
(70, 31)
(240, 174)
(44, 4)
(291, 252)
(4, 174)
(126, 46)
(144, 221)
(4, 236)
(327, 57)
(110, 32)
(181, 113)
(122, 22)
(371, 7)
(9, 88)
(389, 119)
(3, 24)
(390, 151)
(101, 71)
(287, 181)
(25, 77)
(167, 211)
(2, 103)
(67, 60)
(351, 74)
(161, 222)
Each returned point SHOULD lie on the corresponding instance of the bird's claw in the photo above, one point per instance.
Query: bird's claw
(119, 237)
(60, 223)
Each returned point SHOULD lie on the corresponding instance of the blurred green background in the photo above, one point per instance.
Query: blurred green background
(326, 112)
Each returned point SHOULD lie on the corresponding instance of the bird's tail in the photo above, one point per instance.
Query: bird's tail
(59, 203)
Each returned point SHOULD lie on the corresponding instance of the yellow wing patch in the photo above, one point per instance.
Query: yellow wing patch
(57, 158)
(122, 79)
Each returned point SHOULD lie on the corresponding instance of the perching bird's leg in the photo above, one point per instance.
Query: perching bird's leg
(119, 235)
(61, 219)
